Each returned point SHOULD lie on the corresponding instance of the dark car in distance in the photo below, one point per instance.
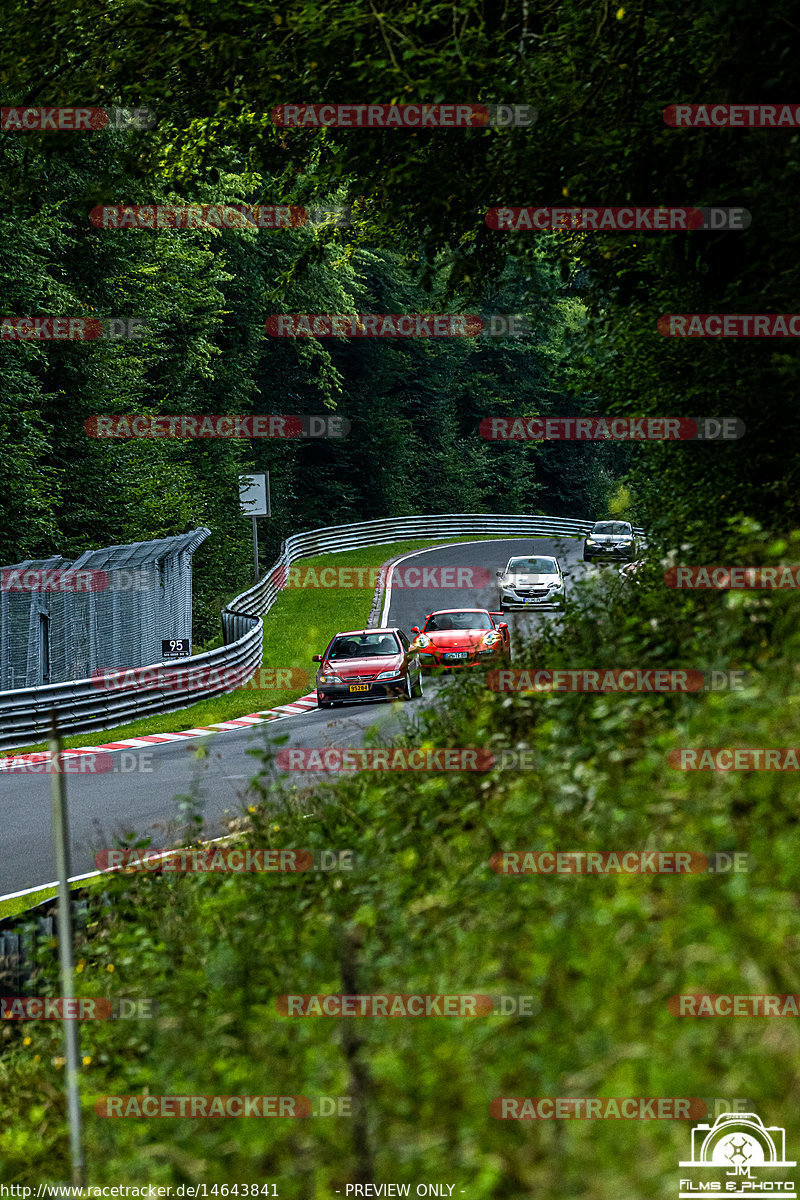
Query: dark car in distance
(610, 540)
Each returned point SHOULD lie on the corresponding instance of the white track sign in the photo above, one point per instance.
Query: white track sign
(254, 495)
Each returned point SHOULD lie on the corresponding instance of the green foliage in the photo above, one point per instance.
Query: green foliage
(423, 912)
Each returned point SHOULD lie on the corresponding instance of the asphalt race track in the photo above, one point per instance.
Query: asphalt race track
(140, 793)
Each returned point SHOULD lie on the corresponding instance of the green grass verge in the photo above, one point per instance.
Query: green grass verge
(299, 625)
(11, 908)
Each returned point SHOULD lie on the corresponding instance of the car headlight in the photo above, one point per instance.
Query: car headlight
(491, 639)
(329, 679)
(390, 675)
(591, 542)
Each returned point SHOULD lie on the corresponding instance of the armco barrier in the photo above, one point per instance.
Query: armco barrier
(335, 538)
(83, 707)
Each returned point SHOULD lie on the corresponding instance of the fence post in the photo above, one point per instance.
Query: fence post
(61, 838)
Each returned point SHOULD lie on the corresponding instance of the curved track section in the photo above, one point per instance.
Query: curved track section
(138, 794)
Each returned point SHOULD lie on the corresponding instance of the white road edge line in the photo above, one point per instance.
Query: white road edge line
(41, 887)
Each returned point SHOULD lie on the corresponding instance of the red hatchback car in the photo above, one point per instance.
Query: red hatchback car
(461, 637)
(367, 664)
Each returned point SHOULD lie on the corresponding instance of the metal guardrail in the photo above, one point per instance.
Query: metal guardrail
(333, 539)
(87, 705)
(28, 936)
(84, 705)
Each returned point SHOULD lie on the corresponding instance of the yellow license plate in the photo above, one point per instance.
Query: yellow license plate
(359, 687)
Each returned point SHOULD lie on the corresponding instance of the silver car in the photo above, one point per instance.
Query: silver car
(534, 581)
(610, 539)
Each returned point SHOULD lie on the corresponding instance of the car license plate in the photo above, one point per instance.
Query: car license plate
(456, 654)
(359, 687)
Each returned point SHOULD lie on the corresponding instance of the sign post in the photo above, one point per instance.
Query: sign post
(254, 502)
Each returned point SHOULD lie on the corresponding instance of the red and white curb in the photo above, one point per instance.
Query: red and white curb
(301, 705)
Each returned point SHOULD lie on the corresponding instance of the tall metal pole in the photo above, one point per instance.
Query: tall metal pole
(61, 838)
(255, 550)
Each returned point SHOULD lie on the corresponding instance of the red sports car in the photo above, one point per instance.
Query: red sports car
(461, 637)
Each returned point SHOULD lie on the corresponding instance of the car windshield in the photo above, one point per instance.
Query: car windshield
(612, 527)
(533, 566)
(441, 622)
(363, 645)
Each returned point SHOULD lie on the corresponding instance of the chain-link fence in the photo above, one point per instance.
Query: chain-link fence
(108, 609)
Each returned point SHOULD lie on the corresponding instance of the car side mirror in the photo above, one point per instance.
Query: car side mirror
(414, 629)
(566, 574)
(503, 625)
(317, 658)
(499, 574)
